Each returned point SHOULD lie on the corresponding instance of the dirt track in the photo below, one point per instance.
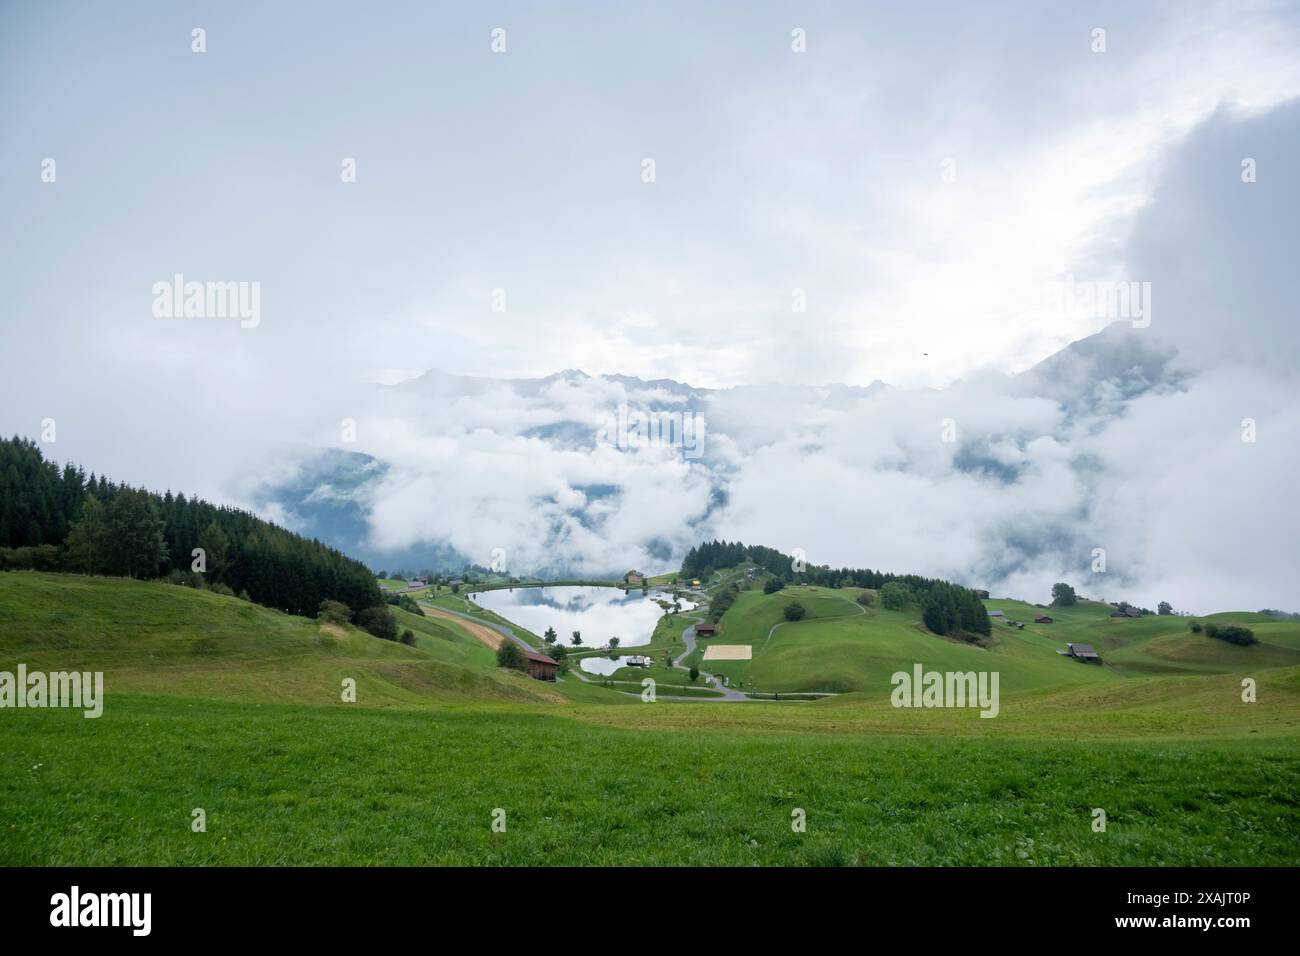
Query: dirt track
(484, 633)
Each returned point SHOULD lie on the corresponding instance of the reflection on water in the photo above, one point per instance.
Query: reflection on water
(604, 665)
(596, 613)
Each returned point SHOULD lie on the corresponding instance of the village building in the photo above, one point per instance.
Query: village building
(1042, 619)
(1082, 652)
(540, 667)
(706, 630)
(634, 577)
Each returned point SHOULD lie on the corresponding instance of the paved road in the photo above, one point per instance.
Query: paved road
(688, 638)
(501, 629)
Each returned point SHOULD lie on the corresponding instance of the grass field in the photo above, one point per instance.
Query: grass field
(840, 647)
(218, 704)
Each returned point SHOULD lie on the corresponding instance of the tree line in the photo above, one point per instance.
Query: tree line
(946, 608)
(61, 519)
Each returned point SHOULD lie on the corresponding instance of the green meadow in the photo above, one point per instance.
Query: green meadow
(236, 709)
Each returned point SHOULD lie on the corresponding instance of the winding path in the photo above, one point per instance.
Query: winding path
(504, 630)
(860, 610)
(688, 638)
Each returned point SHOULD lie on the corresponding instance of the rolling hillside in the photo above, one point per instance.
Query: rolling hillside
(841, 647)
(155, 638)
(217, 703)
(1154, 644)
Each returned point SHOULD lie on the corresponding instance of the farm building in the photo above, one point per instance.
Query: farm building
(540, 666)
(1082, 652)
(1042, 619)
(706, 630)
(996, 614)
(634, 577)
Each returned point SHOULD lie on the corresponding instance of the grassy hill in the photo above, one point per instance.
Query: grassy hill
(1153, 644)
(156, 638)
(220, 704)
(842, 647)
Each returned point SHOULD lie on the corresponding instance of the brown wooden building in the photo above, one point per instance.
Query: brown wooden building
(706, 630)
(540, 666)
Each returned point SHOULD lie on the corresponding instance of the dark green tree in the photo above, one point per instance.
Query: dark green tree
(216, 548)
(88, 538)
(1063, 595)
(135, 531)
(895, 596)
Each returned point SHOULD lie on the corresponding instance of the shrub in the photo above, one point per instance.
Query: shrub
(220, 588)
(509, 655)
(1232, 633)
(865, 599)
(334, 612)
(405, 602)
(408, 637)
(1196, 627)
(773, 585)
(794, 611)
(39, 557)
(379, 621)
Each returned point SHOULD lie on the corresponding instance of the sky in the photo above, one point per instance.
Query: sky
(903, 200)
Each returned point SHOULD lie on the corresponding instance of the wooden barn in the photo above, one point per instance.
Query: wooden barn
(1082, 652)
(706, 630)
(540, 666)
(1042, 619)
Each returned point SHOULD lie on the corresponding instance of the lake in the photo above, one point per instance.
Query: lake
(598, 613)
(604, 665)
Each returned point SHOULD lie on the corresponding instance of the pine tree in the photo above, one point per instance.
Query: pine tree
(136, 531)
(87, 541)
